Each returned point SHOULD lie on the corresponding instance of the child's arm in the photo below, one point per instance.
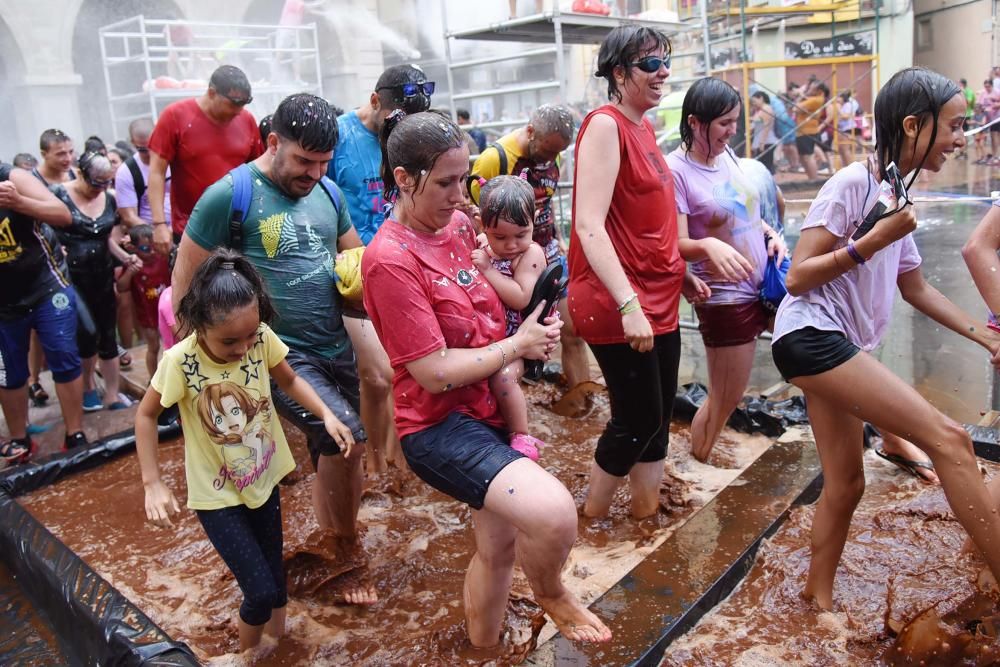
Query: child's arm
(124, 282)
(303, 393)
(160, 502)
(515, 292)
(917, 292)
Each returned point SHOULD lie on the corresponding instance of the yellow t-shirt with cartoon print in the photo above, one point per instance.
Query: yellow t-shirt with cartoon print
(234, 448)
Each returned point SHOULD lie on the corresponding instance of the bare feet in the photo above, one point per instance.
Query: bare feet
(702, 452)
(574, 621)
(825, 605)
(362, 594)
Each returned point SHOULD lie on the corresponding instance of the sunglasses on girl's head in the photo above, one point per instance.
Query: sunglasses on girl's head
(414, 89)
(651, 64)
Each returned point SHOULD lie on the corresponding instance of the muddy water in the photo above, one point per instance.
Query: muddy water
(418, 543)
(903, 558)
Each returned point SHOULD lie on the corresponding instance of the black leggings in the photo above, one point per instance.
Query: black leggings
(97, 291)
(250, 544)
(642, 388)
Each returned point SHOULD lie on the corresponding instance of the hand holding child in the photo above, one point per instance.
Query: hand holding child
(340, 433)
(160, 504)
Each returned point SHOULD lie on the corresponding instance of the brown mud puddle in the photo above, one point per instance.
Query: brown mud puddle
(905, 594)
(417, 544)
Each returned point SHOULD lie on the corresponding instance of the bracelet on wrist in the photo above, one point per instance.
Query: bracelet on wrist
(631, 307)
(503, 355)
(632, 297)
(154, 223)
(853, 252)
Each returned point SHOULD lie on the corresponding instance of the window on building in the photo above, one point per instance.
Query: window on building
(925, 35)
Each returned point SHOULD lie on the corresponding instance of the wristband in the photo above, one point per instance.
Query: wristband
(155, 223)
(627, 301)
(631, 308)
(853, 252)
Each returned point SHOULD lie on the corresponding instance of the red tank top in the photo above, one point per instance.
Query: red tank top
(642, 224)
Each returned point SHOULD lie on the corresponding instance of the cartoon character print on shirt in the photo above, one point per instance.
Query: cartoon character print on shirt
(240, 423)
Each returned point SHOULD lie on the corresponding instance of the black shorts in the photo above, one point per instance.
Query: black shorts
(336, 382)
(459, 457)
(811, 351)
(806, 143)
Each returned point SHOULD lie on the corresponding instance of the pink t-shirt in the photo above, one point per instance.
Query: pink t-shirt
(721, 202)
(165, 318)
(859, 302)
(424, 294)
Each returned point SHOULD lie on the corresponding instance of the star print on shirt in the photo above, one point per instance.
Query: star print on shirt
(250, 368)
(225, 375)
(260, 338)
(192, 373)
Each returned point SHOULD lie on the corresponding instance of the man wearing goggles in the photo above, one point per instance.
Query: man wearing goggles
(356, 168)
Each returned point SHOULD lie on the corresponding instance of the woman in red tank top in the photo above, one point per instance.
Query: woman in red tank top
(625, 269)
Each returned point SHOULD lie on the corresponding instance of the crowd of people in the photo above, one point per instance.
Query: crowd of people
(230, 239)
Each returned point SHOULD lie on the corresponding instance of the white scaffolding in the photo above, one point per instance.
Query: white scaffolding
(149, 63)
(553, 30)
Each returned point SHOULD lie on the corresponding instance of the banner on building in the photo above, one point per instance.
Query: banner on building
(858, 44)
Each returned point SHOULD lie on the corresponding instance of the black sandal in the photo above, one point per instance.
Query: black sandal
(15, 451)
(37, 394)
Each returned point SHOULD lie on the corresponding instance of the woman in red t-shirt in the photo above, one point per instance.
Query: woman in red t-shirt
(442, 326)
(625, 268)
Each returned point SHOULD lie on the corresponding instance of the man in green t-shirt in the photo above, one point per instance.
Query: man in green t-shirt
(292, 233)
(970, 108)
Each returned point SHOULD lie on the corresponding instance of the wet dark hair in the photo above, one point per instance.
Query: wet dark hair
(415, 142)
(25, 161)
(462, 114)
(761, 95)
(95, 144)
(390, 94)
(52, 136)
(264, 127)
(706, 100)
(914, 91)
(228, 78)
(224, 282)
(622, 47)
(307, 120)
(823, 88)
(509, 197)
(140, 233)
(123, 153)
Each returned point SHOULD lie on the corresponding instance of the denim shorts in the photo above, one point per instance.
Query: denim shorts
(459, 457)
(55, 320)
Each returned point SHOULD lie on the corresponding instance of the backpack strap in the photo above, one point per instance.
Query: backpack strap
(137, 180)
(332, 191)
(242, 192)
(241, 203)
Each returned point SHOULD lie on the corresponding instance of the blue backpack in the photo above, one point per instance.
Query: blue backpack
(243, 189)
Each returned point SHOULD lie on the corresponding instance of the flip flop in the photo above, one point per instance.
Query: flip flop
(547, 289)
(905, 464)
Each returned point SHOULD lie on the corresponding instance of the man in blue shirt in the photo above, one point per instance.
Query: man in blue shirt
(356, 168)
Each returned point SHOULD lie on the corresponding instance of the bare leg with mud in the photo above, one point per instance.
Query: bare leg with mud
(336, 500)
(728, 374)
(276, 626)
(865, 389)
(375, 373)
(539, 506)
(575, 362)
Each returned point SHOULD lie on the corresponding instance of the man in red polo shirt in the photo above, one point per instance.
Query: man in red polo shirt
(200, 139)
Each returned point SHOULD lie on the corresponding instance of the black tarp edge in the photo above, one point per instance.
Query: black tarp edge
(93, 620)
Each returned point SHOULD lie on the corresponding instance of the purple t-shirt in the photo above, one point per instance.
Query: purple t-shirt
(859, 302)
(723, 203)
(125, 191)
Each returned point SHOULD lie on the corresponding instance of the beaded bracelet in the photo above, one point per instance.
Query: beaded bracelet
(631, 307)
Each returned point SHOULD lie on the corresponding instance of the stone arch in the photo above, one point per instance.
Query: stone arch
(11, 76)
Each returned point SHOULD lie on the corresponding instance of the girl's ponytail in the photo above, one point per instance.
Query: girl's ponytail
(224, 282)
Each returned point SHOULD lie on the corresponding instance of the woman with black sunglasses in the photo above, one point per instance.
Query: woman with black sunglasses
(626, 272)
(90, 255)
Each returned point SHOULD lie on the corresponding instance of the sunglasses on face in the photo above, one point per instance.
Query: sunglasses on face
(240, 102)
(651, 64)
(413, 89)
(100, 184)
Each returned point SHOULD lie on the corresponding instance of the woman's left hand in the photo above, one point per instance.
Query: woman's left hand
(777, 248)
(694, 289)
